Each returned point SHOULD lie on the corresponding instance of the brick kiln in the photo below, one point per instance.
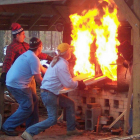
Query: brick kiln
(107, 97)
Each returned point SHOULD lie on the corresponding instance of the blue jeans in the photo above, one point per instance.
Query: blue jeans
(50, 102)
(27, 111)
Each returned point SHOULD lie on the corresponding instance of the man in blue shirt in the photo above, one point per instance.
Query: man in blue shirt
(56, 78)
(26, 67)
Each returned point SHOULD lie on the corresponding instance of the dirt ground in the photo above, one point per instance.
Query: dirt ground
(58, 132)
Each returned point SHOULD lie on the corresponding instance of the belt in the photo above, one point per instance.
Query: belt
(45, 90)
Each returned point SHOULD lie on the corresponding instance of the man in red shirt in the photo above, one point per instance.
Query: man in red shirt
(15, 49)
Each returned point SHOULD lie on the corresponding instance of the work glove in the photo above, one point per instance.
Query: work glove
(49, 58)
(81, 85)
(3, 78)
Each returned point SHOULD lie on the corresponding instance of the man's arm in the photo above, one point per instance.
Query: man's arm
(45, 57)
(38, 78)
(65, 78)
(42, 69)
(8, 61)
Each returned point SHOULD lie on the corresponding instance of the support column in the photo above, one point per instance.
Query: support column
(136, 72)
(67, 33)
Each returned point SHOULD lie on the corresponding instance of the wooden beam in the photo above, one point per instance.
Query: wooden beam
(15, 18)
(66, 12)
(129, 15)
(2, 101)
(52, 21)
(28, 9)
(33, 21)
(88, 81)
(34, 28)
(136, 72)
(5, 2)
(126, 121)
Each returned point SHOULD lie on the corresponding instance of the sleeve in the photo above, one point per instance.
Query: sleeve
(42, 56)
(65, 78)
(35, 66)
(8, 60)
(45, 57)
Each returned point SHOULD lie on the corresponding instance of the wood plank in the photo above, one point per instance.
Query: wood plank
(34, 28)
(2, 101)
(131, 137)
(53, 20)
(15, 18)
(28, 9)
(117, 119)
(87, 81)
(129, 15)
(33, 21)
(136, 73)
(126, 121)
(5, 2)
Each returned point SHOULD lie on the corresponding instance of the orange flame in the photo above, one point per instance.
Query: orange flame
(85, 31)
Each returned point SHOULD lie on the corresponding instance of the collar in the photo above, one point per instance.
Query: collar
(64, 60)
(15, 41)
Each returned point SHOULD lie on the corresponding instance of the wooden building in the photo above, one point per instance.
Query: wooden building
(51, 15)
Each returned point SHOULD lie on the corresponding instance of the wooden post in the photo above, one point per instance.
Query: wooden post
(67, 33)
(126, 123)
(133, 18)
(136, 72)
(2, 101)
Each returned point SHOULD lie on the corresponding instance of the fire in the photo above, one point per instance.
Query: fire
(85, 31)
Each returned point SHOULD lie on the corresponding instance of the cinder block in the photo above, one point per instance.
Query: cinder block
(91, 117)
(93, 105)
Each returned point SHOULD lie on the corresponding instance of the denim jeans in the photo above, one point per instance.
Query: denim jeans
(27, 110)
(50, 102)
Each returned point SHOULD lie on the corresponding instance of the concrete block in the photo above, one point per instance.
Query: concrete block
(91, 117)
(121, 102)
(93, 105)
(121, 106)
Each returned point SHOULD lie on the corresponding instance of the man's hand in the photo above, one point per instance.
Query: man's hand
(49, 58)
(3, 78)
(81, 85)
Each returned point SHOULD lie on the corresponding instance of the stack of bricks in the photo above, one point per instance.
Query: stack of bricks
(112, 103)
(93, 111)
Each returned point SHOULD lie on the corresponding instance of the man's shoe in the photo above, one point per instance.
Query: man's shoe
(74, 132)
(26, 136)
(9, 133)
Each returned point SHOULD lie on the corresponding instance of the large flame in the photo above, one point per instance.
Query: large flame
(85, 32)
